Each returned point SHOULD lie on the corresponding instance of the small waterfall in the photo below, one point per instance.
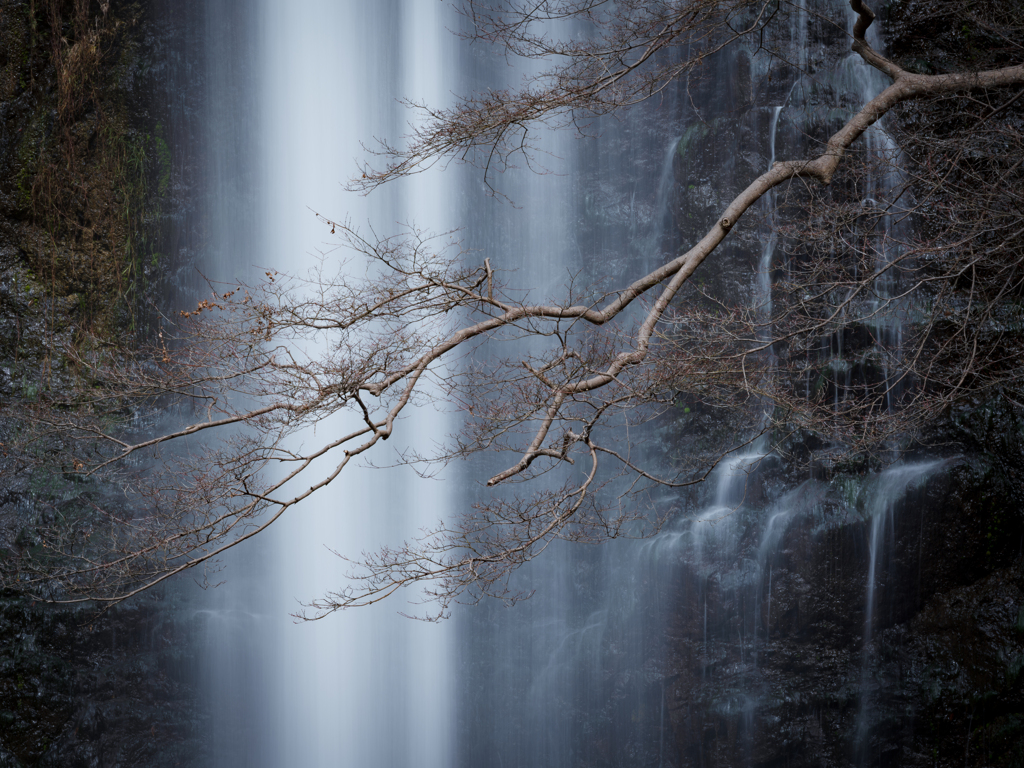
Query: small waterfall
(883, 497)
(883, 175)
(651, 254)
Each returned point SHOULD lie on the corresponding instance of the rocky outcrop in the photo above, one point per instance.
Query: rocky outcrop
(797, 662)
(849, 617)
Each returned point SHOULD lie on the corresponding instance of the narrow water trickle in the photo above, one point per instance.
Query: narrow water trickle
(651, 246)
(883, 498)
(763, 284)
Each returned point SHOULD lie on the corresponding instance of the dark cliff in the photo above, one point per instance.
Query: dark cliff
(100, 228)
(831, 614)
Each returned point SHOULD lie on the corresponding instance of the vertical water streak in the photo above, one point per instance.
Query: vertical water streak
(884, 494)
(763, 292)
(366, 687)
(651, 246)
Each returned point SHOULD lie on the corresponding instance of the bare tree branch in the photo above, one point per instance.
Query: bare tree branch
(253, 366)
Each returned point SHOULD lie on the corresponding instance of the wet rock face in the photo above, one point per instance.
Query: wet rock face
(82, 689)
(719, 644)
(98, 180)
(782, 669)
(774, 654)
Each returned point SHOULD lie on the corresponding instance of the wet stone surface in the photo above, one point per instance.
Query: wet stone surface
(78, 688)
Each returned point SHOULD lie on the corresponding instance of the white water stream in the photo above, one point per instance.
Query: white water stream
(366, 687)
(369, 688)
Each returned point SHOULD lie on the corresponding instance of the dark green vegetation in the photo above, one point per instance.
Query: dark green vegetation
(85, 178)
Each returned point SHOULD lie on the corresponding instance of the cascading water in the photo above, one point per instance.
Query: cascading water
(628, 655)
(366, 687)
(656, 645)
(883, 495)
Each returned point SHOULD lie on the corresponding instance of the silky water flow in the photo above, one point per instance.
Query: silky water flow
(591, 666)
(582, 672)
(364, 687)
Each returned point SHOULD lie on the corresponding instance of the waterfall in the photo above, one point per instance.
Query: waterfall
(366, 687)
(883, 496)
(651, 254)
(628, 654)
